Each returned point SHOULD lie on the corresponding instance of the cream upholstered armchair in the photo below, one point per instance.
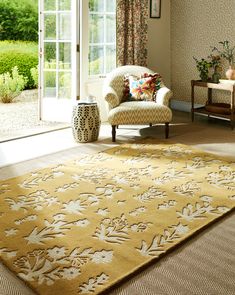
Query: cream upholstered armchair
(134, 112)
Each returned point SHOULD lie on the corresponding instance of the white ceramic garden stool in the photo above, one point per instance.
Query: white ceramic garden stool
(86, 122)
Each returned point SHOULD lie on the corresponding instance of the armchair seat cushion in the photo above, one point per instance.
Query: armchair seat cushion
(139, 112)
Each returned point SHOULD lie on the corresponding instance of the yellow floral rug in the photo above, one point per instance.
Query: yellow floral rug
(82, 226)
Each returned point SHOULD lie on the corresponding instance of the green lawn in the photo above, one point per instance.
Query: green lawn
(19, 46)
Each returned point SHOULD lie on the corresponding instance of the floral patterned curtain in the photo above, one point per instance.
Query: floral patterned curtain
(132, 25)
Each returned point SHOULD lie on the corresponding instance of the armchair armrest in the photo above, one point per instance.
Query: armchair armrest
(164, 95)
(110, 95)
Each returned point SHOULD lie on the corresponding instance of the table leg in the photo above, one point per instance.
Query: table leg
(192, 100)
(232, 110)
(209, 95)
(209, 98)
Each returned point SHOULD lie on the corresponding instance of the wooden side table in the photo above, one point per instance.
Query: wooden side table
(210, 86)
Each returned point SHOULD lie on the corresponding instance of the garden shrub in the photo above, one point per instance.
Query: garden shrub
(11, 85)
(34, 74)
(23, 61)
(18, 20)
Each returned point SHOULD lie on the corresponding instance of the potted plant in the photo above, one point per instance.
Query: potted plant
(203, 67)
(216, 65)
(227, 52)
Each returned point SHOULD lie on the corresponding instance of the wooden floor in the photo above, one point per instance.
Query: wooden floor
(209, 134)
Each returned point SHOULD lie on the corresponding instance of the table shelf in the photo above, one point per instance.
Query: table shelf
(210, 86)
(202, 110)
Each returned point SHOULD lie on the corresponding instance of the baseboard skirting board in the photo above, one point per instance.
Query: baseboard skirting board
(181, 105)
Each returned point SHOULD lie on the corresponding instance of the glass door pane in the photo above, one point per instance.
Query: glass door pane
(49, 5)
(58, 40)
(65, 5)
(64, 26)
(50, 26)
(102, 37)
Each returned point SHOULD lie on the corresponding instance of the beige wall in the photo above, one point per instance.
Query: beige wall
(159, 43)
(195, 26)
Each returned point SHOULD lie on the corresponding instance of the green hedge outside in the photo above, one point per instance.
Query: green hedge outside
(24, 62)
(21, 54)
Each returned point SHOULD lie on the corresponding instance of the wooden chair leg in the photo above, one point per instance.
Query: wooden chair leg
(166, 130)
(150, 124)
(113, 133)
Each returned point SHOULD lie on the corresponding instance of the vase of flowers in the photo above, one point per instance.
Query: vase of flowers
(216, 65)
(227, 52)
(203, 67)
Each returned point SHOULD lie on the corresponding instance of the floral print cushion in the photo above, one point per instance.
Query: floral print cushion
(157, 80)
(126, 88)
(141, 88)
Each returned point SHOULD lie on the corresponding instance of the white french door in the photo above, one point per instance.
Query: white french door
(59, 60)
